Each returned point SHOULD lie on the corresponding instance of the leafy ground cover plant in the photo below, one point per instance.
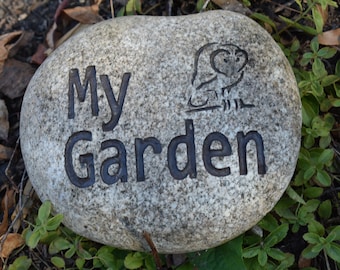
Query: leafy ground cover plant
(303, 230)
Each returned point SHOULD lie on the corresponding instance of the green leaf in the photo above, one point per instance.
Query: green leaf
(316, 227)
(310, 205)
(309, 173)
(304, 62)
(299, 180)
(308, 141)
(299, 4)
(313, 192)
(310, 109)
(186, 266)
(49, 237)
(27, 234)
(276, 254)
(318, 19)
(59, 244)
(325, 141)
(318, 247)
(335, 102)
(333, 251)
(317, 89)
(54, 222)
(314, 45)
(325, 209)
(251, 240)
(251, 252)
(320, 126)
(287, 262)
(263, 18)
(44, 211)
(295, 45)
(304, 155)
(326, 156)
(326, 3)
(58, 262)
(337, 68)
(97, 264)
(326, 52)
(70, 252)
(329, 80)
(121, 12)
(334, 235)
(227, 256)
(323, 179)
(276, 236)
(282, 208)
(308, 55)
(133, 260)
(306, 29)
(83, 253)
(130, 8)
(138, 6)
(33, 239)
(319, 69)
(150, 264)
(199, 5)
(311, 238)
(325, 105)
(106, 256)
(269, 223)
(80, 263)
(262, 257)
(21, 263)
(293, 195)
(308, 252)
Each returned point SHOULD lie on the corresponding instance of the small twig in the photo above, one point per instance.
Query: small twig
(153, 250)
(326, 258)
(112, 9)
(60, 8)
(169, 7)
(21, 207)
(151, 8)
(40, 257)
(284, 6)
(9, 177)
(206, 3)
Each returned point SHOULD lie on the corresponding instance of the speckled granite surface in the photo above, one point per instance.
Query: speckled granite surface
(187, 128)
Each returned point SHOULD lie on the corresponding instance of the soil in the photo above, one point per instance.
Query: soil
(35, 19)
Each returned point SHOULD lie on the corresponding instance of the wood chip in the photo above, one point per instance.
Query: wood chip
(15, 77)
(12, 241)
(330, 38)
(4, 124)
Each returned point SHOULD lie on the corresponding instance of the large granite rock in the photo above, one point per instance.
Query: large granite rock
(187, 128)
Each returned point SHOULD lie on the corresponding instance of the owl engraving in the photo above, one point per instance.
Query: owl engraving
(217, 69)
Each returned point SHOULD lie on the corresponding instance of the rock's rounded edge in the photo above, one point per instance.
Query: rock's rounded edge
(223, 13)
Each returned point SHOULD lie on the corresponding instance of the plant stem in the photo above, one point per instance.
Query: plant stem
(326, 258)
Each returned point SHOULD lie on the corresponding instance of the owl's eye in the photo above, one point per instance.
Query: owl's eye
(237, 59)
(239, 54)
(225, 60)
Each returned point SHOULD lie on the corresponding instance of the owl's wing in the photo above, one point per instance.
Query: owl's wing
(203, 71)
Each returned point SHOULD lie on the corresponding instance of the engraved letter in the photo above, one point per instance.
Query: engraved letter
(209, 153)
(242, 141)
(119, 158)
(115, 106)
(188, 139)
(140, 146)
(74, 82)
(86, 160)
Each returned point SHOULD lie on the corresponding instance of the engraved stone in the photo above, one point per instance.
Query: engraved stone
(187, 128)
